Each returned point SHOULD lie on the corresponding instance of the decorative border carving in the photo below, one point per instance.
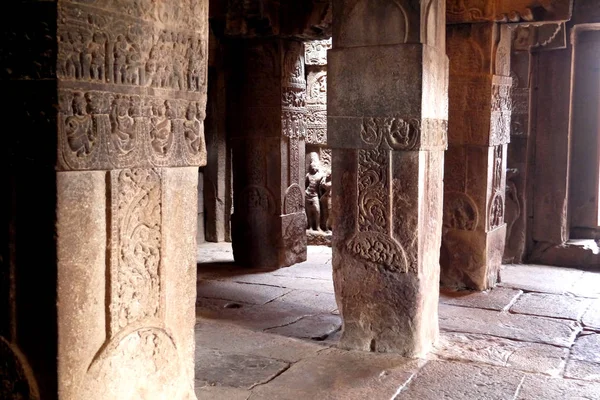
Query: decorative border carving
(395, 133)
(293, 200)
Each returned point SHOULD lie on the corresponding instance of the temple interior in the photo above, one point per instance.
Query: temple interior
(300, 199)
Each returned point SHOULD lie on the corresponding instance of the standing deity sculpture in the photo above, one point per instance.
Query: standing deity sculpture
(313, 181)
(325, 200)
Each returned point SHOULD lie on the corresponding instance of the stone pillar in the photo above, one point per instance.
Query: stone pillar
(387, 119)
(475, 173)
(267, 140)
(104, 309)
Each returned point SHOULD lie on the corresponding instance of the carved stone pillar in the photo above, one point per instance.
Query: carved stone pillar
(126, 109)
(268, 224)
(475, 173)
(387, 113)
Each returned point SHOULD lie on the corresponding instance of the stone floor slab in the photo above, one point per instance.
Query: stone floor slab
(546, 388)
(510, 326)
(539, 278)
(587, 286)
(216, 368)
(235, 339)
(221, 393)
(583, 370)
(587, 347)
(340, 375)
(464, 381)
(496, 299)
(591, 318)
(239, 292)
(550, 305)
(311, 300)
(316, 327)
(318, 285)
(524, 356)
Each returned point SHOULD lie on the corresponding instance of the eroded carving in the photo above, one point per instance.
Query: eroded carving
(460, 212)
(315, 52)
(136, 249)
(293, 200)
(397, 133)
(16, 381)
(379, 249)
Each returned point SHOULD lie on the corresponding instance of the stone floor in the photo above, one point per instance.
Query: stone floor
(273, 335)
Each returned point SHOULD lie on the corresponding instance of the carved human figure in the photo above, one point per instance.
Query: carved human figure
(86, 54)
(98, 59)
(160, 134)
(313, 181)
(133, 65)
(191, 129)
(196, 66)
(513, 205)
(325, 200)
(152, 77)
(79, 128)
(123, 125)
(120, 63)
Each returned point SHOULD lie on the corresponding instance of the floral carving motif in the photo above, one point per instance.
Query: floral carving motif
(294, 200)
(397, 133)
(373, 201)
(135, 276)
(379, 249)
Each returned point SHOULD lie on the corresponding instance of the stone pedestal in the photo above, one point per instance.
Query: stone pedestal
(387, 105)
(475, 173)
(269, 222)
(101, 278)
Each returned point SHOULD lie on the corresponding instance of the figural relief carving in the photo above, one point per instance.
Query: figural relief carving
(100, 130)
(315, 51)
(293, 200)
(95, 46)
(496, 208)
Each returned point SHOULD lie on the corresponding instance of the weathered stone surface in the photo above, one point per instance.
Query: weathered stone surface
(498, 299)
(510, 326)
(238, 340)
(221, 393)
(550, 305)
(537, 387)
(524, 356)
(317, 327)
(216, 368)
(591, 318)
(453, 380)
(507, 11)
(527, 277)
(316, 238)
(242, 292)
(583, 370)
(300, 283)
(338, 374)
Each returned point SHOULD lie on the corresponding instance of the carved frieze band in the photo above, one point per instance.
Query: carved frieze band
(100, 130)
(395, 133)
(465, 11)
(97, 47)
(373, 241)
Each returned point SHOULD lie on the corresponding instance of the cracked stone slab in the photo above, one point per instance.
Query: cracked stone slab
(217, 368)
(584, 362)
(221, 393)
(495, 299)
(528, 277)
(313, 301)
(524, 356)
(316, 327)
(591, 318)
(464, 381)
(511, 326)
(227, 337)
(546, 388)
(551, 305)
(319, 285)
(256, 317)
(239, 292)
(341, 375)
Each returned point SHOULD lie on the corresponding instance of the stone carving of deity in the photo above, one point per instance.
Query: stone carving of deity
(123, 125)
(325, 200)
(160, 134)
(79, 128)
(313, 182)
